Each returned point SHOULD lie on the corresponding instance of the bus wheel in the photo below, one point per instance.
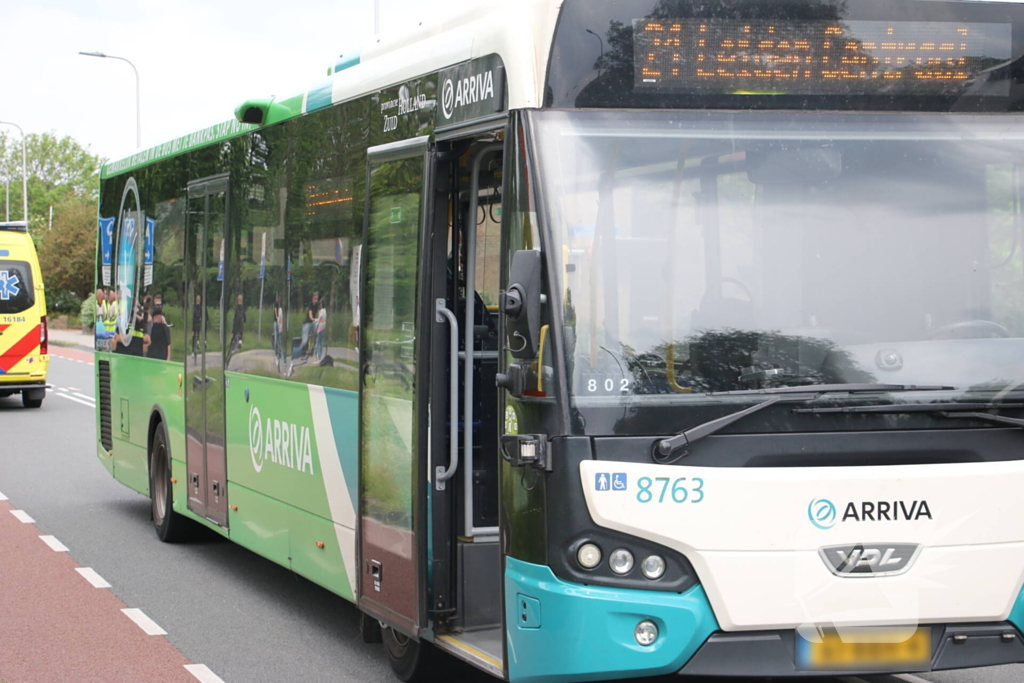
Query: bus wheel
(410, 659)
(170, 526)
(33, 398)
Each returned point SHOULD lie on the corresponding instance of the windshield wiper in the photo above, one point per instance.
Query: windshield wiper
(664, 448)
(836, 388)
(964, 411)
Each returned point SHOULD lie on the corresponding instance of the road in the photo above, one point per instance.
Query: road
(245, 618)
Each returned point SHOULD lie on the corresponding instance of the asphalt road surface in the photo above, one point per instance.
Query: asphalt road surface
(245, 618)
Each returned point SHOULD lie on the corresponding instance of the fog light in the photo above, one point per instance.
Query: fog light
(621, 561)
(653, 567)
(589, 556)
(646, 632)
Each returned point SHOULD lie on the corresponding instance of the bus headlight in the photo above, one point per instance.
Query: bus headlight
(589, 556)
(653, 567)
(621, 561)
(646, 632)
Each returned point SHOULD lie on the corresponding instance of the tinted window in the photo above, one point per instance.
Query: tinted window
(16, 292)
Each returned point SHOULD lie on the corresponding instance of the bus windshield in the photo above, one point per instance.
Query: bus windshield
(708, 252)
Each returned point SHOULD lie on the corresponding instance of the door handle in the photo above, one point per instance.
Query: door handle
(442, 474)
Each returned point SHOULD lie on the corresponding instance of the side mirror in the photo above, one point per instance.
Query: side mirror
(521, 304)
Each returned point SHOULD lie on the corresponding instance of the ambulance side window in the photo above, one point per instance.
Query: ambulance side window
(16, 291)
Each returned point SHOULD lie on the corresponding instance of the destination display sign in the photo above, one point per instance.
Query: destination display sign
(768, 57)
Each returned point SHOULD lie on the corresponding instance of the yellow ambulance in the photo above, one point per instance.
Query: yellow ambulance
(23, 336)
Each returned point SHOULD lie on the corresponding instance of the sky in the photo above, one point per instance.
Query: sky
(197, 60)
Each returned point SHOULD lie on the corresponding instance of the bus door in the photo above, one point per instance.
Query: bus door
(393, 430)
(205, 280)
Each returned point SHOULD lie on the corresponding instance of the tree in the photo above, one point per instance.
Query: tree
(64, 175)
(58, 170)
(67, 253)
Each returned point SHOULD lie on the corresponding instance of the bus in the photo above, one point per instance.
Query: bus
(597, 339)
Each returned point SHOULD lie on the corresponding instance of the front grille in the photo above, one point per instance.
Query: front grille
(106, 435)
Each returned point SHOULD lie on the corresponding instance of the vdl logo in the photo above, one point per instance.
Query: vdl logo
(822, 513)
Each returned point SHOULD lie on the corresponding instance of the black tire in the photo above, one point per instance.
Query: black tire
(170, 526)
(413, 661)
(33, 398)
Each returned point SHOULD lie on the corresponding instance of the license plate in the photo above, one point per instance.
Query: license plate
(878, 648)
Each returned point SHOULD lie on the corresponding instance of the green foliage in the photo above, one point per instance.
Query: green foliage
(62, 175)
(63, 301)
(58, 169)
(88, 311)
(67, 252)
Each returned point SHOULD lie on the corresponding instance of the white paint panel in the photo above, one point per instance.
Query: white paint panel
(519, 31)
(764, 590)
(767, 509)
(755, 548)
(342, 507)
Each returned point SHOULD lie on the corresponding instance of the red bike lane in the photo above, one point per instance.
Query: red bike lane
(56, 626)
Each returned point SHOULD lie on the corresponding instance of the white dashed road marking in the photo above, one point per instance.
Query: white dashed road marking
(84, 400)
(22, 516)
(203, 673)
(90, 575)
(3, 497)
(54, 544)
(73, 360)
(142, 621)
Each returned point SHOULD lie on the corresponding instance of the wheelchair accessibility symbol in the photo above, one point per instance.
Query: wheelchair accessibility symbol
(605, 481)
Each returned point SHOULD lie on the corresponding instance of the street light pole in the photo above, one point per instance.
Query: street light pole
(24, 171)
(138, 97)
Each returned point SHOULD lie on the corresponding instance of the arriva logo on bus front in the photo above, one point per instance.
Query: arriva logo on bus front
(282, 443)
(824, 514)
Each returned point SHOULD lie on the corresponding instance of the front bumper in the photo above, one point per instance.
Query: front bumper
(773, 653)
(585, 633)
(21, 386)
(571, 632)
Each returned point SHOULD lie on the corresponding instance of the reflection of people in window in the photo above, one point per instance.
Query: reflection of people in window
(321, 327)
(197, 323)
(239, 324)
(278, 328)
(308, 325)
(159, 336)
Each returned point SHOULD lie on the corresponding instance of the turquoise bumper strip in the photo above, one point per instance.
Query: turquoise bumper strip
(1017, 613)
(571, 632)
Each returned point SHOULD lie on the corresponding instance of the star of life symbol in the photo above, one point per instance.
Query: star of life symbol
(8, 285)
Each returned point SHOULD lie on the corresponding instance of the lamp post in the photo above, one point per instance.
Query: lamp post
(138, 100)
(24, 171)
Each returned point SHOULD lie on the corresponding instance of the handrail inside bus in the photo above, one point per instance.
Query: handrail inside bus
(467, 396)
(441, 474)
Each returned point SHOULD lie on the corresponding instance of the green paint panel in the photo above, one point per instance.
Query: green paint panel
(320, 565)
(179, 471)
(271, 444)
(284, 110)
(101, 455)
(260, 523)
(201, 138)
(130, 466)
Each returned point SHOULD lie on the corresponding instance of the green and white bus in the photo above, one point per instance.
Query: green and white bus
(594, 339)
